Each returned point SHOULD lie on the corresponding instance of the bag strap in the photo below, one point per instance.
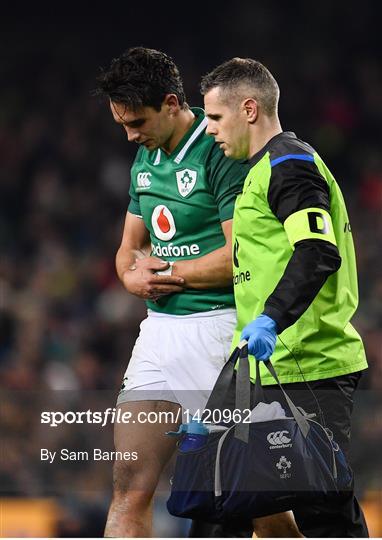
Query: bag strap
(243, 392)
(243, 387)
(218, 480)
(259, 391)
(301, 421)
(219, 391)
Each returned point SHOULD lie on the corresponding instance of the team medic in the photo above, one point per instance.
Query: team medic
(295, 275)
(294, 290)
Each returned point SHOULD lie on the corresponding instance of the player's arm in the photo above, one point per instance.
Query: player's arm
(136, 269)
(212, 270)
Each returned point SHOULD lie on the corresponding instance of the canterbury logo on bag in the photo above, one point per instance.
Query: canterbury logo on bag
(279, 439)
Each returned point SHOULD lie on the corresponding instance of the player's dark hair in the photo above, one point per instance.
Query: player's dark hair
(248, 73)
(141, 77)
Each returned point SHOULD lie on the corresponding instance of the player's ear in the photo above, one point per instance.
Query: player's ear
(171, 102)
(250, 109)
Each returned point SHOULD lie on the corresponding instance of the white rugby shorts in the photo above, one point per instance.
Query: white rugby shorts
(178, 358)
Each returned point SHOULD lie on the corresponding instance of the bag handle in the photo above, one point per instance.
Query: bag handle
(301, 421)
(219, 391)
(243, 387)
(243, 390)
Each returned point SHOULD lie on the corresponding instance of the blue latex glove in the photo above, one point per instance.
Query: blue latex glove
(261, 336)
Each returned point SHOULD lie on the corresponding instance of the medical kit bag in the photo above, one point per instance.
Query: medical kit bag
(246, 469)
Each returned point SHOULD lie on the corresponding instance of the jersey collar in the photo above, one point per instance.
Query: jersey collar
(260, 154)
(197, 128)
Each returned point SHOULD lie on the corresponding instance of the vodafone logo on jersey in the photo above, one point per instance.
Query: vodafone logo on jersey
(163, 223)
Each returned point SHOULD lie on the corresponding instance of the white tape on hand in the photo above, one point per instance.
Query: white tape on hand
(168, 271)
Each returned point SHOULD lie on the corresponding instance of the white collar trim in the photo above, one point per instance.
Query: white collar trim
(197, 132)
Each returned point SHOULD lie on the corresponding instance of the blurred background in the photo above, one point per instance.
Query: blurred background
(67, 325)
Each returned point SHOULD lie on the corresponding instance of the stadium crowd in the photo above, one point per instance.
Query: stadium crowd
(67, 325)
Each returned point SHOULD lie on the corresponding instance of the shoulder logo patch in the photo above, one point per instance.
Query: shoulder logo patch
(186, 180)
(143, 180)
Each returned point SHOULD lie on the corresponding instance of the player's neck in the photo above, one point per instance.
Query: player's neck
(184, 121)
(262, 133)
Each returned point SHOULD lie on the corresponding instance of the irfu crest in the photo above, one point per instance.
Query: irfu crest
(186, 180)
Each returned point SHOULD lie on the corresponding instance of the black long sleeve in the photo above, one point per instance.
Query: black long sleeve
(312, 262)
(296, 185)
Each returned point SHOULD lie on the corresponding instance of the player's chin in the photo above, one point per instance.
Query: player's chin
(229, 152)
(235, 154)
(150, 145)
(225, 149)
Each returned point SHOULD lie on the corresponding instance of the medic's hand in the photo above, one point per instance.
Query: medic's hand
(141, 279)
(261, 336)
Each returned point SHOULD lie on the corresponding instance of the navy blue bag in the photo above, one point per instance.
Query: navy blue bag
(247, 470)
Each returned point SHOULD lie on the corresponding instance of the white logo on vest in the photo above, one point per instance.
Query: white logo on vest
(186, 180)
(143, 180)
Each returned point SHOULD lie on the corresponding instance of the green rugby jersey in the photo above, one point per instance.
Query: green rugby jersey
(290, 224)
(183, 198)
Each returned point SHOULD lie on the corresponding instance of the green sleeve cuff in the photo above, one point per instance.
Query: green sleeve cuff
(134, 208)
